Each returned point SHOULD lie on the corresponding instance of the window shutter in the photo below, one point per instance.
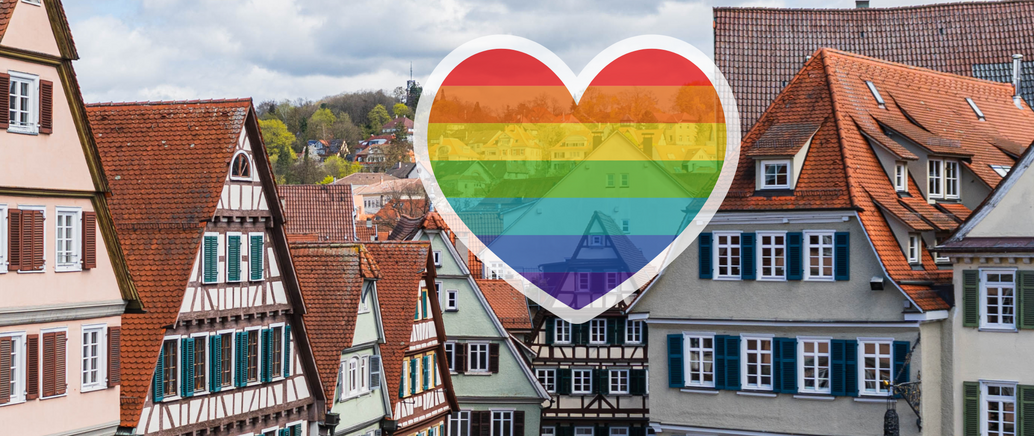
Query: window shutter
(375, 372)
(425, 372)
(187, 362)
(550, 330)
(842, 256)
(460, 350)
(518, 423)
(785, 374)
(563, 384)
(794, 264)
(475, 425)
(5, 369)
(412, 376)
(157, 387)
(971, 298)
(114, 356)
(215, 363)
(583, 333)
(14, 228)
(612, 330)
(255, 258)
(46, 106)
(732, 363)
(32, 371)
(32, 241)
(233, 258)
(638, 431)
(676, 369)
(241, 360)
(838, 385)
(1025, 407)
(211, 259)
(60, 357)
(851, 367)
(267, 355)
(720, 376)
(643, 328)
(89, 240)
(287, 350)
(486, 422)
(602, 381)
(747, 271)
(5, 103)
(900, 370)
(493, 358)
(1026, 303)
(621, 330)
(637, 382)
(971, 409)
(705, 255)
(49, 364)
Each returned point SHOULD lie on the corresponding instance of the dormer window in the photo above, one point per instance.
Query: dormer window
(943, 179)
(901, 177)
(775, 174)
(876, 94)
(1001, 170)
(976, 110)
(241, 167)
(913, 248)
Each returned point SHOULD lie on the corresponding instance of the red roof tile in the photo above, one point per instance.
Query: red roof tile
(363, 179)
(6, 10)
(957, 209)
(509, 304)
(322, 210)
(364, 233)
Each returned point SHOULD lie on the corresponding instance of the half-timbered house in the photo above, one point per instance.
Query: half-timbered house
(221, 348)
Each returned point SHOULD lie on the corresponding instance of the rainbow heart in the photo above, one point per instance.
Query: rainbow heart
(577, 188)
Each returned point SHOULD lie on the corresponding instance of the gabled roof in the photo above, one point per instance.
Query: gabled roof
(363, 179)
(405, 228)
(148, 150)
(759, 50)
(363, 233)
(325, 211)
(510, 306)
(403, 170)
(330, 278)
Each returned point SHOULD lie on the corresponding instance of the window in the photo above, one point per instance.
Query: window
(276, 367)
(93, 358)
(813, 355)
(875, 93)
(67, 237)
(352, 378)
(438, 258)
(200, 354)
(24, 97)
(999, 409)
(581, 381)
(452, 300)
(502, 423)
(612, 280)
(951, 179)
(252, 358)
(562, 331)
(772, 250)
(548, 431)
(913, 248)
(583, 431)
(610, 180)
(241, 167)
(459, 423)
(450, 355)
(998, 298)
(934, 178)
(170, 366)
(633, 332)
(626, 226)
(478, 357)
(757, 364)
(727, 250)
(364, 300)
(976, 110)
(619, 431)
(13, 346)
(256, 257)
(624, 180)
(364, 374)
(900, 177)
(775, 174)
(876, 365)
(619, 381)
(226, 360)
(819, 246)
(598, 331)
(1002, 170)
(699, 360)
(547, 378)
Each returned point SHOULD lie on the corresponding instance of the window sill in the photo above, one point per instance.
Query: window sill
(15, 402)
(581, 393)
(875, 399)
(700, 390)
(819, 279)
(86, 389)
(734, 279)
(61, 269)
(170, 399)
(998, 329)
(756, 394)
(23, 131)
(771, 279)
(477, 373)
(34, 272)
(815, 397)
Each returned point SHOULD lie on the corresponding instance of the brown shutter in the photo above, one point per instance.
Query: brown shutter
(25, 241)
(14, 238)
(486, 422)
(49, 362)
(493, 358)
(89, 240)
(59, 367)
(460, 350)
(518, 423)
(475, 424)
(5, 100)
(37, 240)
(114, 350)
(46, 106)
(32, 370)
(5, 370)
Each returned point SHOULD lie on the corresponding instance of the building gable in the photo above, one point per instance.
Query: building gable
(29, 28)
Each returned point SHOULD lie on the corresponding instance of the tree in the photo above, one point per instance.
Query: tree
(326, 180)
(345, 129)
(279, 143)
(308, 170)
(377, 117)
(321, 124)
(340, 168)
(399, 148)
(401, 111)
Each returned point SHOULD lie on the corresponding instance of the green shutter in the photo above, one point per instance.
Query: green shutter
(158, 388)
(550, 330)
(184, 370)
(412, 376)
(563, 381)
(637, 382)
(971, 409)
(602, 381)
(211, 259)
(842, 256)
(705, 255)
(1026, 301)
(423, 303)
(241, 359)
(970, 298)
(233, 258)
(794, 253)
(287, 351)
(266, 338)
(900, 370)
(255, 258)
(1025, 410)
(215, 363)
(747, 268)
(426, 372)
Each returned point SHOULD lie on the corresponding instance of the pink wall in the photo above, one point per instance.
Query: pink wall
(30, 29)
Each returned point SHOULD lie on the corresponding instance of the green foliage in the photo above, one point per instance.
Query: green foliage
(401, 111)
(340, 168)
(399, 148)
(320, 125)
(345, 129)
(326, 180)
(377, 117)
(279, 144)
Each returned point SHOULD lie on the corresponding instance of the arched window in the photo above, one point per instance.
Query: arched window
(240, 168)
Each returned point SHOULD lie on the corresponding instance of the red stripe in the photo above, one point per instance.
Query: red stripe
(502, 67)
(651, 67)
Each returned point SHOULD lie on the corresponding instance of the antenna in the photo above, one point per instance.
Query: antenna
(410, 70)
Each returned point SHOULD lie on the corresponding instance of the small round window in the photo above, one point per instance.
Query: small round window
(241, 167)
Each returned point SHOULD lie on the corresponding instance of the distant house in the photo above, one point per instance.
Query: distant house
(405, 170)
(362, 179)
(389, 127)
(373, 197)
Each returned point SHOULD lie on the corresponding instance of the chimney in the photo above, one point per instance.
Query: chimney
(597, 139)
(648, 145)
(861, 4)
(1017, 60)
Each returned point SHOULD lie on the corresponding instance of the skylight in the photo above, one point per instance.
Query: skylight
(1002, 170)
(973, 105)
(876, 94)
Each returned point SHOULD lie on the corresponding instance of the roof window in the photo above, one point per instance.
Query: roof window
(1002, 170)
(876, 94)
(976, 110)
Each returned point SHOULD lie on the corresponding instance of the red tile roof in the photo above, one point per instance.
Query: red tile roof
(331, 283)
(509, 304)
(759, 50)
(325, 211)
(842, 171)
(363, 179)
(6, 10)
(363, 233)
(148, 151)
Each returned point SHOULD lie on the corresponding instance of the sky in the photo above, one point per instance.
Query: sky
(134, 50)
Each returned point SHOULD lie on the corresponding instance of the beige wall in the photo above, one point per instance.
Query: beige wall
(30, 29)
(1004, 218)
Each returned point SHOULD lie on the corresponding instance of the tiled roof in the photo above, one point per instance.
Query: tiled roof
(403, 169)
(405, 228)
(402, 266)
(363, 179)
(784, 139)
(509, 304)
(322, 210)
(363, 233)
(842, 170)
(392, 186)
(960, 211)
(6, 9)
(759, 50)
(433, 221)
(330, 280)
(148, 151)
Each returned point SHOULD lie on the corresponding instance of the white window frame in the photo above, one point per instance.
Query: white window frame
(505, 416)
(364, 297)
(3, 238)
(772, 163)
(450, 356)
(744, 362)
(284, 348)
(563, 326)
(687, 349)
(482, 347)
(101, 357)
(633, 331)
(832, 255)
(951, 182)
(32, 128)
(364, 374)
(18, 362)
(611, 181)
(240, 261)
(1000, 326)
(461, 418)
(914, 251)
(46, 238)
(76, 239)
(437, 258)
(880, 389)
(624, 180)
(817, 366)
(208, 364)
(33, 2)
(574, 381)
(598, 338)
(935, 180)
(626, 226)
(178, 373)
(620, 373)
(985, 398)
(583, 279)
(584, 431)
(548, 431)
(550, 375)
(761, 246)
(876, 94)
(233, 358)
(352, 376)
(452, 299)
(717, 257)
(901, 177)
(251, 167)
(619, 431)
(258, 361)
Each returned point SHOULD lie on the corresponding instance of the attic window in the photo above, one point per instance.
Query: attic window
(1002, 170)
(876, 94)
(32, 2)
(976, 110)
(241, 167)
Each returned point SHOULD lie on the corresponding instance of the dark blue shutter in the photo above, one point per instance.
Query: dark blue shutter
(732, 362)
(785, 370)
(563, 381)
(842, 256)
(676, 369)
(267, 355)
(184, 369)
(287, 350)
(900, 370)
(794, 264)
(851, 367)
(705, 256)
(719, 363)
(158, 388)
(837, 355)
(550, 330)
(215, 363)
(748, 271)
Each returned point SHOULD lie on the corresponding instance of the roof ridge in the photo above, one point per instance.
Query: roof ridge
(871, 10)
(170, 102)
(921, 70)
